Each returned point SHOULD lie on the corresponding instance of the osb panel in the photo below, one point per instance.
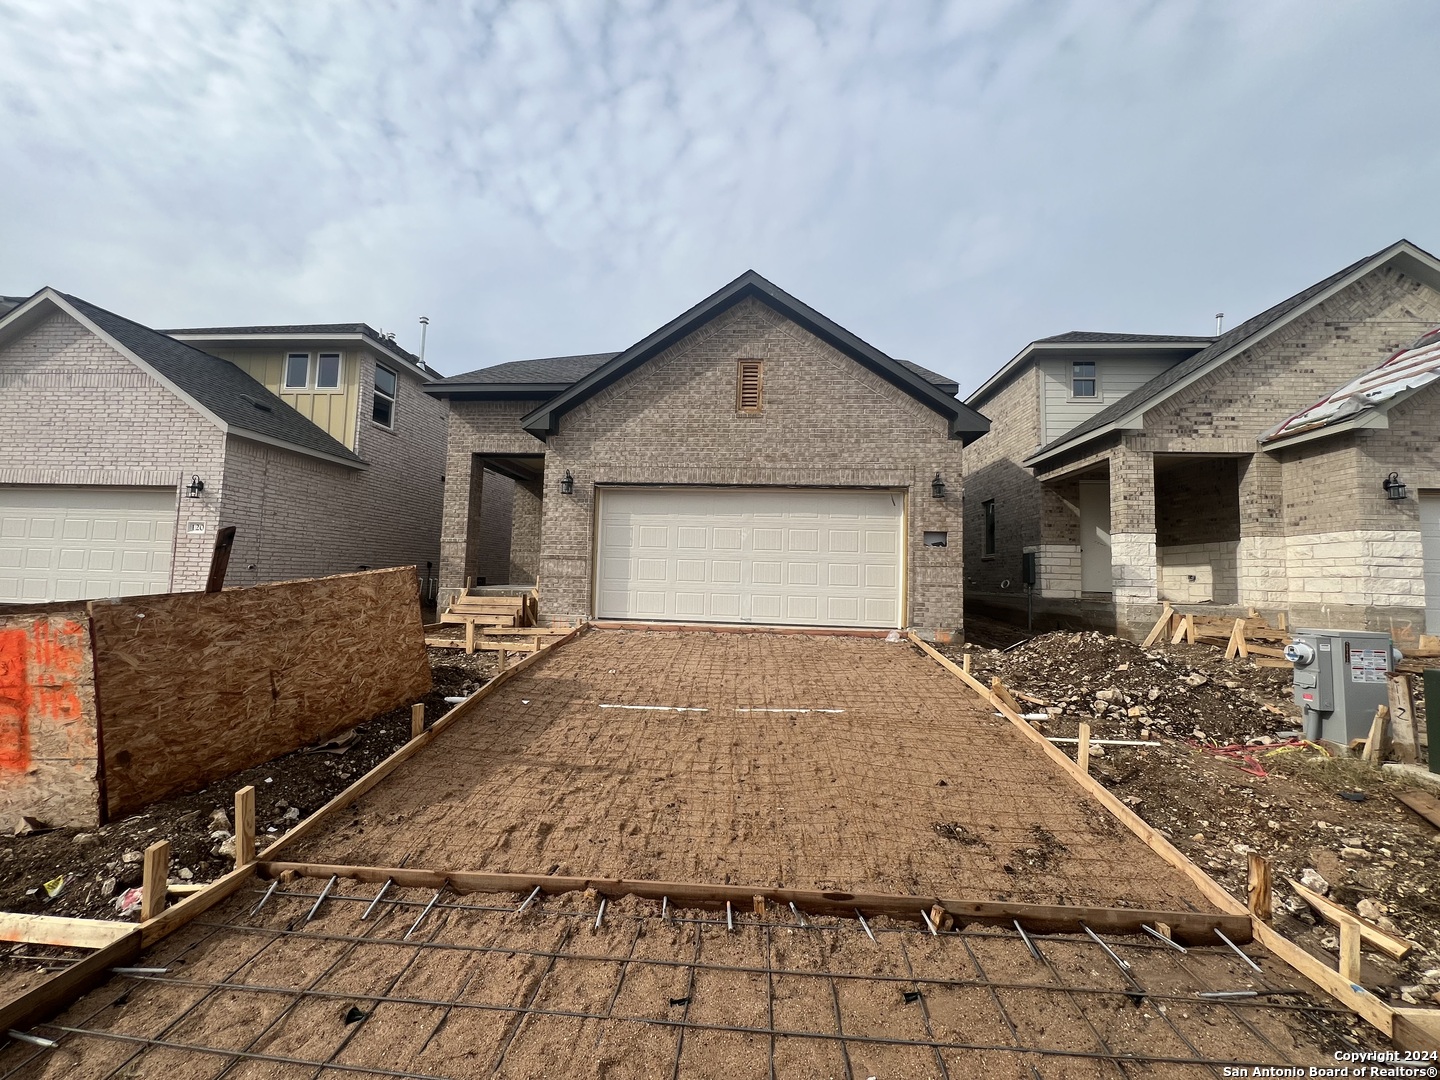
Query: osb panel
(194, 686)
(47, 719)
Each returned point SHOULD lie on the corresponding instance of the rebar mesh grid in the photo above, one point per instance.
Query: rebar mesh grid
(477, 989)
(909, 784)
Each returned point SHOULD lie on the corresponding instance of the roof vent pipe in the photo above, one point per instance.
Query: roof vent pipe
(424, 325)
(1219, 323)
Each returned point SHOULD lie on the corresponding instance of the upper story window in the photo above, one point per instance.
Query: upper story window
(749, 385)
(327, 371)
(297, 371)
(1083, 383)
(386, 386)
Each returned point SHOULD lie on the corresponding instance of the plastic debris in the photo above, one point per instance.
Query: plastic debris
(128, 902)
(54, 885)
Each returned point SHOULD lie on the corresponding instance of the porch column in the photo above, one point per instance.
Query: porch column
(1261, 570)
(1058, 554)
(525, 534)
(1132, 528)
(460, 524)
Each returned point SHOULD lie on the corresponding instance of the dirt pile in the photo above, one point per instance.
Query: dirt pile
(1126, 692)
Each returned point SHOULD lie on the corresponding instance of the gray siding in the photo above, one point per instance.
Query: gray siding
(1116, 376)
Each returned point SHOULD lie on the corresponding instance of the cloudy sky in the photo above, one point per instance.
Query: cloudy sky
(948, 180)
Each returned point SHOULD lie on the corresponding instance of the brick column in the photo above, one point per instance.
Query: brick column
(1132, 528)
(460, 525)
(525, 534)
(1058, 552)
(1261, 571)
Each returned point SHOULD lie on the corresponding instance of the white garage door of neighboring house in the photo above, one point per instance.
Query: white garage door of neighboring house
(74, 543)
(1430, 548)
(808, 556)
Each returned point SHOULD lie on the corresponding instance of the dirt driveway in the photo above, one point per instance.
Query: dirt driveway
(758, 759)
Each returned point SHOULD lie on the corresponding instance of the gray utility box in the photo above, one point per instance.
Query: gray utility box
(1340, 680)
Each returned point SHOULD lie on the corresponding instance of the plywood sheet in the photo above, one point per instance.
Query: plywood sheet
(47, 718)
(194, 686)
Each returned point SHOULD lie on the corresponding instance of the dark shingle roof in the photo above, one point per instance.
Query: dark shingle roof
(547, 370)
(217, 384)
(557, 370)
(1100, 337)
(8, 303)
(1221, 345)
(364, 329)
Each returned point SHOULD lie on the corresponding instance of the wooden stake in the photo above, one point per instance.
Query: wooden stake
(1232, 647)
(1082, 752)
(469, 637)
(998, 689)
(1393, 946)
(220, 559)
(1179, 634)
(417, 719)
(504, 659)
(244, 826)
(1190, 635)
(1402, 718)
(1158, 629)
(759, 906)
(153, 886)
(1258, 889)
(1375, 743)
(965, 662)
(1349, 950)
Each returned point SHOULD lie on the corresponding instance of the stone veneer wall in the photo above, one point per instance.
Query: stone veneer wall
(826, 421)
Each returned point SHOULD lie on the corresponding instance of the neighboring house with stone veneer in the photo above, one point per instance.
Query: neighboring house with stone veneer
(316, 443)
(749, 462)
(1186, 489)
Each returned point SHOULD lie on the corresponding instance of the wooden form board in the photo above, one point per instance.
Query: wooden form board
(56, 993)
(1348, 993)
(195, 686)
(61, 930)
(48, 754)
(1187, 927)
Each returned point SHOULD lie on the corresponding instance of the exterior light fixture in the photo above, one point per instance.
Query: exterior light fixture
(567, 484)
(937, 487)
(196, 487)
(1394, 486)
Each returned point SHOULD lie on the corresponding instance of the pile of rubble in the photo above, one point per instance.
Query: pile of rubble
(1126, 692)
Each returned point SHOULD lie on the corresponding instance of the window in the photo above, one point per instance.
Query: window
(327, 371)
(297, 371)
(383, 409)
(989, 507)
(1082, 379)
(749, 382)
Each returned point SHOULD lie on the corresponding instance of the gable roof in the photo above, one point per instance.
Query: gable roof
(216, 387)
(1085, 342)
(1360, 401)
(965, 423)
(1414, 260)
(8, 302)
(301, 331)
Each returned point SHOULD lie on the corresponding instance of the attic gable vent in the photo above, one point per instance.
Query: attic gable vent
(749, 382)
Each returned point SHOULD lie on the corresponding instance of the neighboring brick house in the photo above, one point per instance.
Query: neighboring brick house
(1186, 489)
(749, 462)
(123, 450)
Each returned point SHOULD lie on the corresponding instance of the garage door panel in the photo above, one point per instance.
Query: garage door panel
(838, 555)
(1430, 552)
(75, 543)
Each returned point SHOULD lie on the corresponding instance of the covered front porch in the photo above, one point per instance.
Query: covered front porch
(1126, 531)
(492, 526)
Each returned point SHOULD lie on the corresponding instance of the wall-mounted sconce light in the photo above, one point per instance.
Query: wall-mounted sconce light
(1394, 486)
(567, 484)
(196, 487)
(937, 487)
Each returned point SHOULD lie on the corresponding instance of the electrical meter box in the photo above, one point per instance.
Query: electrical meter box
(1340, 680)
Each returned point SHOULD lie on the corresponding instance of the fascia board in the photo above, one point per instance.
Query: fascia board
(270, 440)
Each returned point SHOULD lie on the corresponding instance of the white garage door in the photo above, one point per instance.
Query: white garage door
(784, 556)
(1430, 547)
(75, 543)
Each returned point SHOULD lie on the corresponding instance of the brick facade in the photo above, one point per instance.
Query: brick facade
(82, 413)
(826, 421)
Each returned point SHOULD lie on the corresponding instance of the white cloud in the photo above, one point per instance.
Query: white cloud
(947, 179)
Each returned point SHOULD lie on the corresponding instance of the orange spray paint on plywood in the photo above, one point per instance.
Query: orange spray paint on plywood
(14, 701)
